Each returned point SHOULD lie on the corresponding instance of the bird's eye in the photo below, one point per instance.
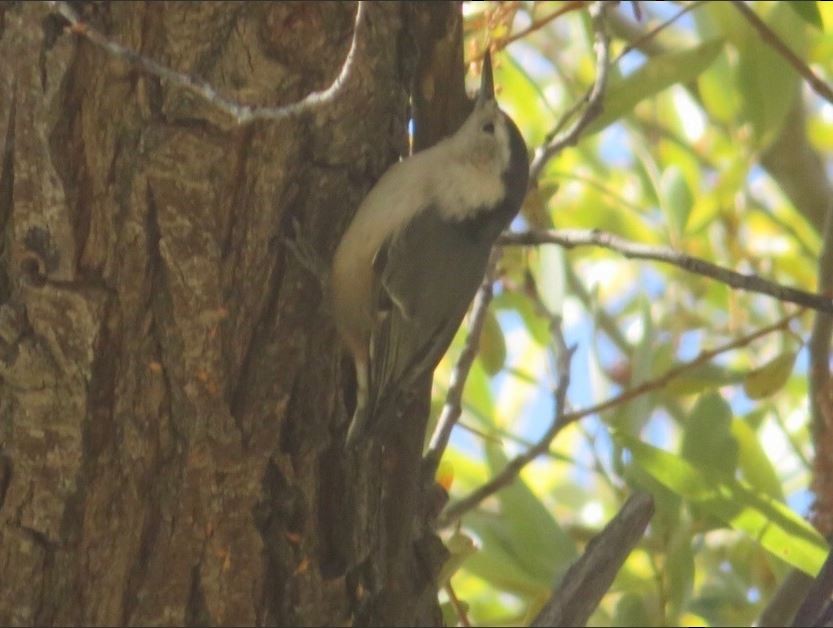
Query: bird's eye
(489, 128)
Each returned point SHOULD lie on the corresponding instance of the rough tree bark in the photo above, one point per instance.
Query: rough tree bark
(173, 399)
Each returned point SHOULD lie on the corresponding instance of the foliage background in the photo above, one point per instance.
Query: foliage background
(709, 143)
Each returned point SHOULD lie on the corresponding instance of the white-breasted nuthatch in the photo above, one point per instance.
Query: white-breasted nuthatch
(416, 251)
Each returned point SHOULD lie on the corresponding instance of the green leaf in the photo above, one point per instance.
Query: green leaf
(707, 441)
(768, 379)
(808, 11)
(534, 537)
(497, 561)
(767, 83)
(631, 611)
(679, 566)
(492, 348)
(658, 73)
(677, 200)
(766, 521)
(699, 379)
(718, 91)
(754, 464)
(449, 613)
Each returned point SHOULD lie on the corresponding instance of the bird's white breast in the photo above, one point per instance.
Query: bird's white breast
(456, 186)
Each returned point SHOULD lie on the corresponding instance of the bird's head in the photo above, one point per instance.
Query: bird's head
(489, 138)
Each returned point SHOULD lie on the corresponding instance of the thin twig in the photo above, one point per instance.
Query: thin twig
(772, 39)
(570, 238)
(500, 44)
(242, 114)
(508, 474)
(594, 98)
(453, 407)
(655, 31)
(462, 615)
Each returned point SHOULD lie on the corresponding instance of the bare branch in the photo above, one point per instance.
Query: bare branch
(242, 114)
(772, 39)
(500, 44)
(453, 407)
(459, 608)
(785, 600)
(555, 143)
(508, 474)
(817, 597)
(589, 578)
(570, 238)
(655, 31)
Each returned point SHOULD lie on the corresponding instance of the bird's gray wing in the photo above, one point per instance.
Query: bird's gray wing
(427, 276)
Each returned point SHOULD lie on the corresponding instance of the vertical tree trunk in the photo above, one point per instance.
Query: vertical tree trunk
(172, 394)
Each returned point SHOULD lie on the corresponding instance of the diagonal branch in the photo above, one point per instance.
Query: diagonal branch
(772, 39)
(513, 468)
(817, 597)
(570, 238)
(589, 578)
(658, 29)
(453, 407)
(242, 114)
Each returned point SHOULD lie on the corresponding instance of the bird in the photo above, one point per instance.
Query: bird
(416, 251)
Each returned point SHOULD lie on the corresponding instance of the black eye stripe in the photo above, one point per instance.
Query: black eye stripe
(489, 127)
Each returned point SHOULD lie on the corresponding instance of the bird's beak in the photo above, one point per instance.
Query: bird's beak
(487, 84)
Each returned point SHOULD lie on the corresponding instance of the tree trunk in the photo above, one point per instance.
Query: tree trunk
(173, 397)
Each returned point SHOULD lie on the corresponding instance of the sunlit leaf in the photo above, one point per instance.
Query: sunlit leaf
(658, 73)
(754, 464)
(768, 522)
(536, 542)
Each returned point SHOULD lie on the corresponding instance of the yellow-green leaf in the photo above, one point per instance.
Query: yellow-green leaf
(677, 199)
(769, 378)
(766, 521)
(658, 73)
(492, 350)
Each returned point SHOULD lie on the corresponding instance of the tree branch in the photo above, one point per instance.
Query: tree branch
(556, 143)
(513, 468)
(453, 407)
(655, 31)
(589, 578)
(772, 39)
(570, 238)
(500, 44)
(242, 114)
(817, 597)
